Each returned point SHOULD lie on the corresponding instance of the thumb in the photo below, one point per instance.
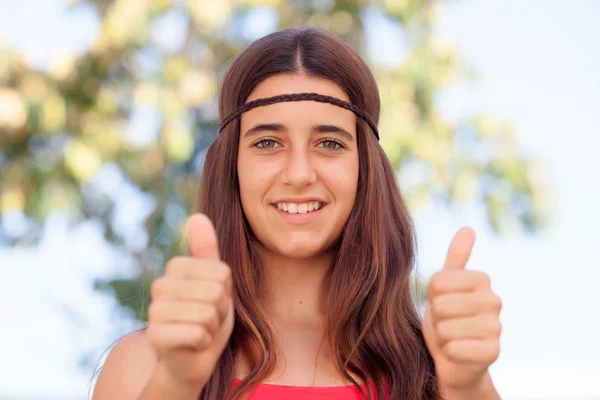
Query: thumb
(460, 249)
(202, 238)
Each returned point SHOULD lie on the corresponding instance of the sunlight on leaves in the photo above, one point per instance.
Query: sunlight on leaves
(208, 14)
(12, 198)
(13, 110)
(81, 159)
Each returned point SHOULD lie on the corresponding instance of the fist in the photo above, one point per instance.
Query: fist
(191, 317)
(462, 325)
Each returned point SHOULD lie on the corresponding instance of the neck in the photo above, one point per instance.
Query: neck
(292, 288)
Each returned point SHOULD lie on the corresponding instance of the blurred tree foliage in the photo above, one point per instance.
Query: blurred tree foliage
(140, 108)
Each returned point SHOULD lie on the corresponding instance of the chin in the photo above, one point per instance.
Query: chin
(300, 253)
(300, 248)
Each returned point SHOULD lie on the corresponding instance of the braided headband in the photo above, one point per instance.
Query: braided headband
(300, 97)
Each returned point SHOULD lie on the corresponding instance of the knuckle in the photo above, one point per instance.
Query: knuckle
(496, 327)
(212, 316)
(154, 336)
(497, 303)
(218, 291)
(158, 288)
(225, 272)
(437, 306)
(494, 351)
(174, 265)
(452, 350)
(152, 311)
(198, 335)
(490, 301)
(436, 283)
(484, 278)
(444, 330)
(206, 314)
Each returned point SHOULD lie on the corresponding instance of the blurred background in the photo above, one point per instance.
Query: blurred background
(489, 114)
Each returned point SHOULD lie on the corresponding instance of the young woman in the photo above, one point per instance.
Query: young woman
(297, 283)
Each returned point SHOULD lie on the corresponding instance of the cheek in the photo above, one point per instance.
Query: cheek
(347, 180)
(244, 180)
(254, 180)
(348, 188)
(341, 180)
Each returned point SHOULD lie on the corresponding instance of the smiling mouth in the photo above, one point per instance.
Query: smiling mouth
(301, 208)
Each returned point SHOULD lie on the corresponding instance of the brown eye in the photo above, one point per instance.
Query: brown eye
(330, 145)
(266, 144)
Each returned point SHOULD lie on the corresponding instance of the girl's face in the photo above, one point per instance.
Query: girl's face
(297, 166)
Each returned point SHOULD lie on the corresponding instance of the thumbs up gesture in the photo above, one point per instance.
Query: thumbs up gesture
(462, 326)
(191, 316)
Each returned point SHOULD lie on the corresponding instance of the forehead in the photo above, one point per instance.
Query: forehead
(300, 110)
(295, 83)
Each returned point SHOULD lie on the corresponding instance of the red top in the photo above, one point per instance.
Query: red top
(266, 391)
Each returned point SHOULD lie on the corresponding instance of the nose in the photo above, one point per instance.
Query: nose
(299, 170)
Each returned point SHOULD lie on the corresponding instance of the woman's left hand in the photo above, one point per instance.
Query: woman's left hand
(462, 325)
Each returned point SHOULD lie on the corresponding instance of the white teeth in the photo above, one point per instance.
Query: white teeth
(302, 208)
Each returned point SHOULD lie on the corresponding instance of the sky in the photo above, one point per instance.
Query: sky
(537, 64)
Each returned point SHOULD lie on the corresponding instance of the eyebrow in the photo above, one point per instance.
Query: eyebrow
(282, 128)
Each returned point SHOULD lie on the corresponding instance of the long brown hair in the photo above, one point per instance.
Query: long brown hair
(374, 329)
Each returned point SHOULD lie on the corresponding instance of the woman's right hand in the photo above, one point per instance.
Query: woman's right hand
(191, 316)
